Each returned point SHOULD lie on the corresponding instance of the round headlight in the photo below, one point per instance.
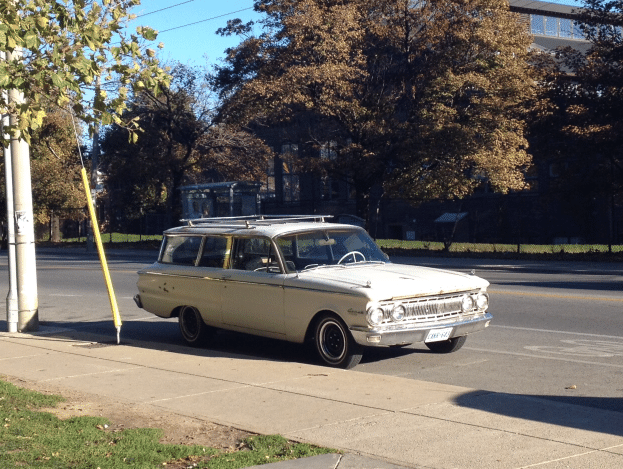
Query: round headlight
(482, 301)
(398, 312)
(467, 303)
(375, 315)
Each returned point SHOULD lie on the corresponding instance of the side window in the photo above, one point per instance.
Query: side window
(286, 246)
(181, 250)
(254, 254)
(214, 252)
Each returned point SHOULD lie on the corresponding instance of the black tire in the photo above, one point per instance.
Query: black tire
(447, 346)
(194, 331)
(335, 344)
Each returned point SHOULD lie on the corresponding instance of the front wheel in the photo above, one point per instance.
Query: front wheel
(194, 331)
(335, 344)
(447, 346)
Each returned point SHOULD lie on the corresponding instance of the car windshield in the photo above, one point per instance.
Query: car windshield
(307, 250)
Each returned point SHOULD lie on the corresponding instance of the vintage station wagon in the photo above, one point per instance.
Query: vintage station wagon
(303, 279)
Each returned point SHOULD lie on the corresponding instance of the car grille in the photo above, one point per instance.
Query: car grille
(426, 309)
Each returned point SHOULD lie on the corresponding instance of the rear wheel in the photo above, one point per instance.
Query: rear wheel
(447, 346)
(335, 344)
(194, 331)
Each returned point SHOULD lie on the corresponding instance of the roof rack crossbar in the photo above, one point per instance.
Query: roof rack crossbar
(250, 221)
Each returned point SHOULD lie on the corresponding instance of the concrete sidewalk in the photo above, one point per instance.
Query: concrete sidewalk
(380, 422)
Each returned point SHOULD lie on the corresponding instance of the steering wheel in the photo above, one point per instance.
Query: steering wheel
(354, 254)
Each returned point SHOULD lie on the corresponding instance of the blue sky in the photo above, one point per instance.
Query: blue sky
(184, 41)
(187, 27)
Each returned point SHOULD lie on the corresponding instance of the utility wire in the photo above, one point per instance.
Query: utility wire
(165, 8)
(203, 21)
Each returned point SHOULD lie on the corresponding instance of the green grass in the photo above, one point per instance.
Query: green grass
(30, 437)
(121, 240)
(116, 238)
(434, 246)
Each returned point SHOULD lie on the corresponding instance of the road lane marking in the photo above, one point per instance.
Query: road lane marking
(556, 332)
(528, 355)
(582, 348)
(555, 295)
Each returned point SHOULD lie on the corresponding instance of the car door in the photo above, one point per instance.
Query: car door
(211, 269)
(253, 287)
(184, 278)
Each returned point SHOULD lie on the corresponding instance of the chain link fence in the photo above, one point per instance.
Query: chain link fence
(74, 227)
(551, 250)
(519, 224)
(463, 228)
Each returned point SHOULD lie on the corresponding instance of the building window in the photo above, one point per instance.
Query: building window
(555, 27)
(328, 150)
(537, 24)
(291, 185)
(566, 28)
(270, 177)
(330, 188)
(551, 26)
(291, 188)
(531, 176)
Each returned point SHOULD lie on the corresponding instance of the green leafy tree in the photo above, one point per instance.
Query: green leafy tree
(58, 50)
(55, 168)
(179, 144)
(427, 98)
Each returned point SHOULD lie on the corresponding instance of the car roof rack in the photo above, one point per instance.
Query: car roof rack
(250, 221)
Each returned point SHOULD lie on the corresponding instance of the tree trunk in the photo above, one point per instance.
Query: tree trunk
(362, 201)
(174, 204)
(55, 228)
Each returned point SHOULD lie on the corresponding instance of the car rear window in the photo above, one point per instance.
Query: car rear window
(181, 250)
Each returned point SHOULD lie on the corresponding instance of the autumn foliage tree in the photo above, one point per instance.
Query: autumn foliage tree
(595, 97)
(425, 98)
(577, 129)
(179, 143)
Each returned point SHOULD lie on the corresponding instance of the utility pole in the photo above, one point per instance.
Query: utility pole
(11, 299)
(26, 266)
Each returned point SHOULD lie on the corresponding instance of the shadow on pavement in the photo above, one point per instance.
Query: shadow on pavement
(163, 334)
(579, 412)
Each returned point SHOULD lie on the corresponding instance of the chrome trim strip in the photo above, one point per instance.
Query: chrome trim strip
(163, 274)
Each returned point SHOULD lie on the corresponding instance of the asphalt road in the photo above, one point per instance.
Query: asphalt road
(557, 331)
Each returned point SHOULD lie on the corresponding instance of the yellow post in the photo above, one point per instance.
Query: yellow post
(100, 250)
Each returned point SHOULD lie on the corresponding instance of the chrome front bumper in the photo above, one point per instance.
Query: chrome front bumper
(412, 333)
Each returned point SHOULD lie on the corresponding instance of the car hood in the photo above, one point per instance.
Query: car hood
(387, 281)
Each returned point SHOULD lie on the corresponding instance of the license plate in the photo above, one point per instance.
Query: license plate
(435, 335)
